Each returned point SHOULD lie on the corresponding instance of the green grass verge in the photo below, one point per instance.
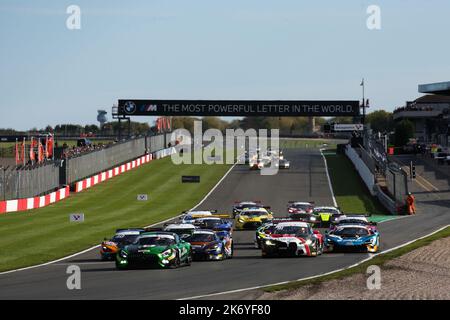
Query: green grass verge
(350, 192)
(379, 260)
(41, 235)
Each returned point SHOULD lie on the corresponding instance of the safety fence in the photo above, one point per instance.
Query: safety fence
(368, 177)
(28, 182)
(19, 183)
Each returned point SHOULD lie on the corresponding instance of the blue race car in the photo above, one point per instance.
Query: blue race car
(353, 238)
(207, 245)
(214, 223)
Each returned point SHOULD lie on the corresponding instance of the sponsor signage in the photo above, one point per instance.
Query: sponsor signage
(142, 197)
(77, 217)
(349, 127)
(190, 179)
(235, 108)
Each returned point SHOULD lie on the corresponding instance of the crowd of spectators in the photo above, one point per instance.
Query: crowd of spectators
(75, 151)
(414, 108)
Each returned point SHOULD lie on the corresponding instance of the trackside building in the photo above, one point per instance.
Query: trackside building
(429, 113)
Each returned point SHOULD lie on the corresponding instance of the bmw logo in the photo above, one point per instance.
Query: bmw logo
(129, 107)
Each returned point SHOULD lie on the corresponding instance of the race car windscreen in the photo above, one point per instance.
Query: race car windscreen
(292, 230)
(351, 232)
(254, 213)
(181, 232)
(301, 206)
(325, 210)
(353, 221)
(124, 238)
(200, 237)
(155, 241)
(210, 224)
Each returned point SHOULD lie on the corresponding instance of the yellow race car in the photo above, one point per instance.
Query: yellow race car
(252, 218)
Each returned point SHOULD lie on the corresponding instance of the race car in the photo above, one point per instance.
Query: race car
(240, 205)
(292, 238)
(300, 207)
(252, 218)
(263, 232)
(214, 222)
(326, 215)
(353, 219)
(190, 216)
(155, 249)
(352, 237)
(260, 163)
(123, 237)
(207, 245)
(283, 164)
(305, 217)
(181, 229)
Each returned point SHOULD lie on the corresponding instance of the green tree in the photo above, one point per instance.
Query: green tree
(380, 121)
(404, 130)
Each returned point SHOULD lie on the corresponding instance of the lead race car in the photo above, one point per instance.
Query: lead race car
(353, 237)
(155, 249)
(292, 238)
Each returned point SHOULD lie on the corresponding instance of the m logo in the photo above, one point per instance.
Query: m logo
(152, 107)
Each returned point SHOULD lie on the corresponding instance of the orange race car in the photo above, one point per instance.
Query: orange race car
(123, 237)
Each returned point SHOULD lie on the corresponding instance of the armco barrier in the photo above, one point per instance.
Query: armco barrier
(164, 153)
(34, 202)
(364, 172)
(105, 175)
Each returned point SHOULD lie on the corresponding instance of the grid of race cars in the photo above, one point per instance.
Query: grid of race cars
(307, 230)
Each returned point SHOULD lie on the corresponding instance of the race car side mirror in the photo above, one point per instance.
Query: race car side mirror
(316, 232)
(267, 232)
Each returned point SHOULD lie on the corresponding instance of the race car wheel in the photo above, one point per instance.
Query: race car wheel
(176, 262)
(189, 259)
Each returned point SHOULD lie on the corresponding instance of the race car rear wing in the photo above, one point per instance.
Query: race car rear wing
(188, 211)
(150, 229)
(130, 229)
(294, 201)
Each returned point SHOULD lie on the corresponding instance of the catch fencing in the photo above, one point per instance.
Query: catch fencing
(78, 168)
(16, 183)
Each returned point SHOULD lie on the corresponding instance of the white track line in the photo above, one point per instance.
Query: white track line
(319, 275)
(97, 246)
(328, 177)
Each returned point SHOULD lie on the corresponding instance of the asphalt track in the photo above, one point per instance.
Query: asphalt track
(306, 180)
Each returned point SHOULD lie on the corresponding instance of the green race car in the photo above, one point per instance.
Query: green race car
(158, 249)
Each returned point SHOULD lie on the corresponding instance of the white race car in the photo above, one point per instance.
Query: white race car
(292, 238)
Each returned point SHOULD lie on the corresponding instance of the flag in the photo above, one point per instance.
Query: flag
(22, 151)
(49, 147)
(362, 82)
(40, 152)
(32, 155)
(17, 153)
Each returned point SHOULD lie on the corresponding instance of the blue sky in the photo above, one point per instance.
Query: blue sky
(174, 49)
